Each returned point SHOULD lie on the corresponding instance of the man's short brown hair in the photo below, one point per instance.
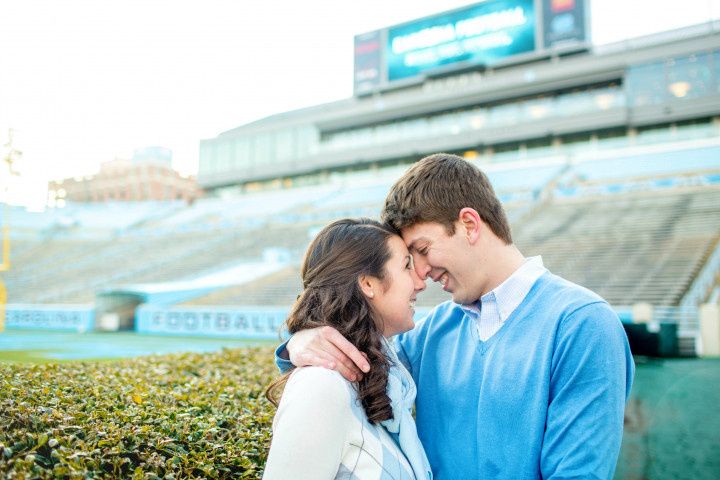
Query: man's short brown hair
(436, 188)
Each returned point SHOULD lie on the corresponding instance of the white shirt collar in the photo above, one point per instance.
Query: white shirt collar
(511, 293)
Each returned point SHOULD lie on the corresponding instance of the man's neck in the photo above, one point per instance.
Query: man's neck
(507, 259)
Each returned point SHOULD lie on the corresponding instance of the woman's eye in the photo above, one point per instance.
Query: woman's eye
(410, 264)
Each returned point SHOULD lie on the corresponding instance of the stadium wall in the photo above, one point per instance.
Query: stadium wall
(657, 336)
(656, 80)
(252, 322)
(73, 318)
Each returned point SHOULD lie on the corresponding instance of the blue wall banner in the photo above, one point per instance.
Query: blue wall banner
(232, 321)
(481, 34)
(76, 318)
(251, 322)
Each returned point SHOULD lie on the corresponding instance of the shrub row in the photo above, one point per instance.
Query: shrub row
(173, 416)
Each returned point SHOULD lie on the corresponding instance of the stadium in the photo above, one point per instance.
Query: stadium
(606, 159)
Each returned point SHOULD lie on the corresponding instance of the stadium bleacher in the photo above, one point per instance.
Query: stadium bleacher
(650, 164)
(632, 247)
(623, 225)
(277, 289)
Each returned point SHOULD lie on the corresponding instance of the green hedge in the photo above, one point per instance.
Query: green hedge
(172, 416)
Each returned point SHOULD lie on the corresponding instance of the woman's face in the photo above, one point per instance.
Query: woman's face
(394, 298)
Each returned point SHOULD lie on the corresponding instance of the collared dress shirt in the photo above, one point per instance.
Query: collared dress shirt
(493, 308)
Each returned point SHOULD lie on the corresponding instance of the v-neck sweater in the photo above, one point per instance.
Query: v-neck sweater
(542, 398)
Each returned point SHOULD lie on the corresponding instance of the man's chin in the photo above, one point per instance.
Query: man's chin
(461, 299)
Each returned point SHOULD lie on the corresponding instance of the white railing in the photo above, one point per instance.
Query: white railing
(685, 316)
(697, 292)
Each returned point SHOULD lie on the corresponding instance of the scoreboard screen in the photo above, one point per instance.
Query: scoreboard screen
(479, 35)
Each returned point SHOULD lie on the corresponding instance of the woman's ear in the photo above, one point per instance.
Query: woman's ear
(367, 285)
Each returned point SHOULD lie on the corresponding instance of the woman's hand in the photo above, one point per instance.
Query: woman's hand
(326, 347)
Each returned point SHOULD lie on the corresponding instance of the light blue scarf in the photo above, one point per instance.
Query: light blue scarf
(401, 390)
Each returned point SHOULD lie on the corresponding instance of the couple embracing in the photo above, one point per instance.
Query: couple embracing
(523, 375)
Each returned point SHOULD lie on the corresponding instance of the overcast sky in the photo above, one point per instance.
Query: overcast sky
(85, 81)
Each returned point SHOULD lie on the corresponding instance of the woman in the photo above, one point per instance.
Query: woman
(358, 278)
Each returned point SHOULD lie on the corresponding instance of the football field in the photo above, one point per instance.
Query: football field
(53, 346)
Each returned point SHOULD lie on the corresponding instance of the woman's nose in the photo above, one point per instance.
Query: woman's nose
(418, 283)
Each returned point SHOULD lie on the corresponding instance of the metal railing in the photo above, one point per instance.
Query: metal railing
(697, 293)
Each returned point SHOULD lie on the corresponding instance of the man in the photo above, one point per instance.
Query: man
(523, 375)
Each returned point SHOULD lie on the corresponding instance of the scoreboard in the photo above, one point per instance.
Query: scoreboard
(486, 34)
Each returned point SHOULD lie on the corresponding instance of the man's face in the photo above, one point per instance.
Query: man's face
(444, 258)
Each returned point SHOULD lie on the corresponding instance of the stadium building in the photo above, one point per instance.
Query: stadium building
(147, 176)
(548, 99)
(607, 159)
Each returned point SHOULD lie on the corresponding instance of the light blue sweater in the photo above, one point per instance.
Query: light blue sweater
(542, 398)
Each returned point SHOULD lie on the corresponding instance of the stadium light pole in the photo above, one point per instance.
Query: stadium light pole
(5, 265)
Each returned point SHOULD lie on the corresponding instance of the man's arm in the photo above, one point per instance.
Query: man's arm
(322, 347)
(592, 371)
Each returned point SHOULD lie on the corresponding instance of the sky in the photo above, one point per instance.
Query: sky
(86, 81)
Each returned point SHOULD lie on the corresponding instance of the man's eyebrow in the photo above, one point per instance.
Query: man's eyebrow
(413, 244)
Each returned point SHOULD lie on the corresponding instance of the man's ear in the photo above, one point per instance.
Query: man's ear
(471, 224)
(367, 285)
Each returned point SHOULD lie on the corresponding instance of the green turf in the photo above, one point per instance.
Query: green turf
(56, 346)
(24, 356)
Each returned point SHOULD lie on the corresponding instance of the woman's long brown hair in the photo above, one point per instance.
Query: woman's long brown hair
(337, 257)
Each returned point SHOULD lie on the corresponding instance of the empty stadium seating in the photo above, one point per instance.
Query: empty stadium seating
(632, 247)
(595, 218)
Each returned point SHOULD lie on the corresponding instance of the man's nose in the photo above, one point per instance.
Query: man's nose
(421, 267)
